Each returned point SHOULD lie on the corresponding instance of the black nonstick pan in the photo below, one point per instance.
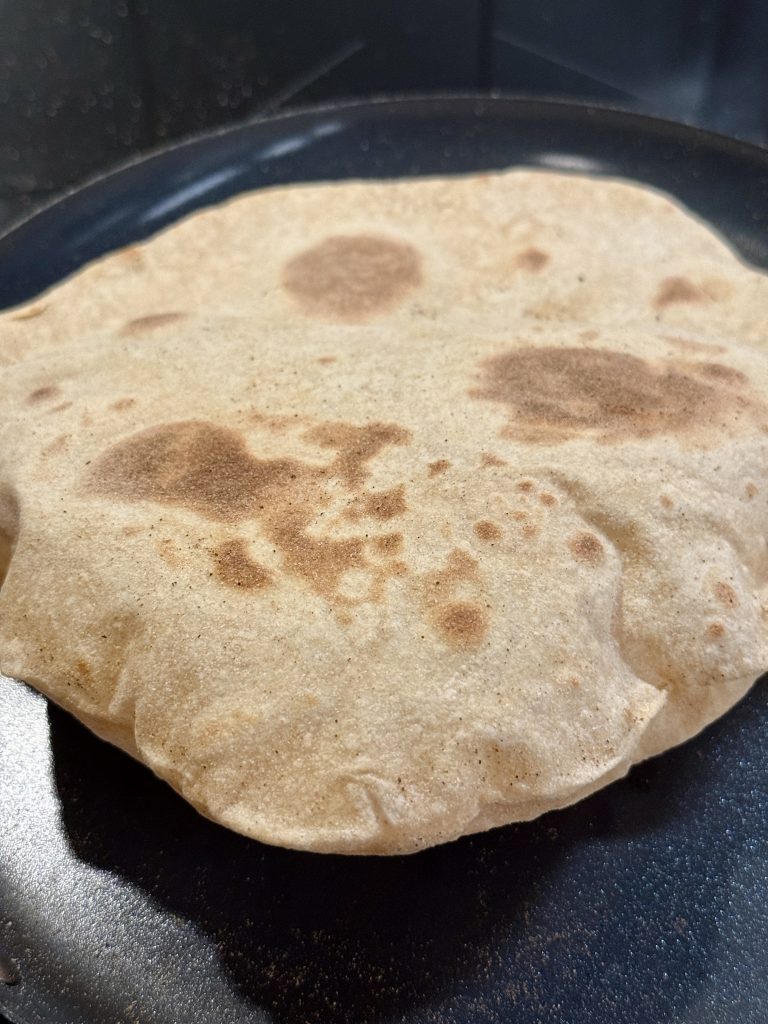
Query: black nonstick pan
(645, 904)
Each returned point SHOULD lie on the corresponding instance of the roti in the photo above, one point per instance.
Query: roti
(368, 589)
(521, 244)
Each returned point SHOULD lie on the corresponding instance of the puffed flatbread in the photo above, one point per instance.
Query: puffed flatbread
(365, 591)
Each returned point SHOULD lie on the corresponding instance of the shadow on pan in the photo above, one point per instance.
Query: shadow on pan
(624, 901)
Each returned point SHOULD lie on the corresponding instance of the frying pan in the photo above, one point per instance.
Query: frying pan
(645, 904)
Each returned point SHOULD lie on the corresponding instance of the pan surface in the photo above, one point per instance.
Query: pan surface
(645, 904)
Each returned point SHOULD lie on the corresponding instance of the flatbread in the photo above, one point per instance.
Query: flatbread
(518, 244)
(367, 591)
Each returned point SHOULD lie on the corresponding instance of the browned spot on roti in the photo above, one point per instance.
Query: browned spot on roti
(382, 505)
(530, 531)
(488, 459)
(235, 567)
(520, 515)
(326, 360)
(486, 530)
(83, 669)
(351, 277)
(459, 567)
(44, 394)
(547, 499)
(750, 490)
(725, 594)
(715, 631)
(57, 445)
(356, 446)
(61, 407)
(30, 313)
(461, 624)
(678, 289)
(151, 322)
(440, 466)
(532, 259)
(574, 682)
(719, 372)
(526, 486)
(210, 471)
(586, 547)
(132, 531)
(389, 543)
(666, 501)
(122, 404)
(555, 394)
(450, 582)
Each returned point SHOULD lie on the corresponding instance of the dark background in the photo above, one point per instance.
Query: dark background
(86, 84)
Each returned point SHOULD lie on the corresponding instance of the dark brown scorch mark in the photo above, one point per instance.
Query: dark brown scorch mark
(236, 568)
(586, 547)
(356, 446)
(459, 568)
(486, 530)
(461, 624)
(44, 394)
(679, 289)
(556, 394)
(381, 505)
(450, 604)
(726, 595)
(209, 470)
(151, 322)
(388, 543)
(440, 466)
(532, 259)
(489, 460)
(351, 277)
